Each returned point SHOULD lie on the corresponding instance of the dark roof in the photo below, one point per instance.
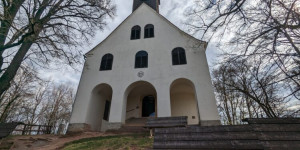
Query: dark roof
(152, 3)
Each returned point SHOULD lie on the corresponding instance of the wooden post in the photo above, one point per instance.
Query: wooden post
(30, 128)
(38, 132)
(50, 130)
(151, 133)
(23, 132)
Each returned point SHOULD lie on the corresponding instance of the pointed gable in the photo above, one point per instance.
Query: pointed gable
(142, 16)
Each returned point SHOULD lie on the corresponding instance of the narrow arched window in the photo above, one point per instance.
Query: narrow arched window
(141, 59)
(135, 32)
(149, 31)
(106, 62)
(178, 56)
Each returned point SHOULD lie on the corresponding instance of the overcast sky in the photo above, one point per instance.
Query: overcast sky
(173, 10)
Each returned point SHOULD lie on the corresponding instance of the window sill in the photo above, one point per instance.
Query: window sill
(179, 65)
(104, 70)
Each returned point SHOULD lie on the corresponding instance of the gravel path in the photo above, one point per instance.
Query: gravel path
(49, 142)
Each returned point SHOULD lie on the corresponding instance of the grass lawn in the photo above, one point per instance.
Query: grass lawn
(130, 142)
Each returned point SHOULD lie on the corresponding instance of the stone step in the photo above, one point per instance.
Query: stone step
(129, 129)
(136, 122)
(261, 134)
(276, 127)
(206, 136)
(166, 122)
(273, 121)
(230, 144)
(199, 129)
(168, 118)
(165, 125)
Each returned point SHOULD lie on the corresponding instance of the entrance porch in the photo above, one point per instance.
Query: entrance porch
(141, 103)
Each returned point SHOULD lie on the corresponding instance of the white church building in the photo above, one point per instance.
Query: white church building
(147, 67)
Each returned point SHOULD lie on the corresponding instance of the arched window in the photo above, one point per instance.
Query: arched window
(141, 59)
(178, 56)
(135, 32)
(106, 62)
(149, 31)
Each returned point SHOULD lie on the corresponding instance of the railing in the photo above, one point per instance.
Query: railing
(27, 129)
(130, 110)
(137, 107)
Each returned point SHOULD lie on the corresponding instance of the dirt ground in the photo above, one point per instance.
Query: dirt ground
(48, 142)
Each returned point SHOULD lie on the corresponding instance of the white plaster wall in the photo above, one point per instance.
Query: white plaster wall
(184, 104)
(96, 112)
(132, 103)
(104, 125)
(160, 72)
(183, 100)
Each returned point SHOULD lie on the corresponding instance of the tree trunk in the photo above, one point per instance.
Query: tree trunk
(12, 69)
(9, 15)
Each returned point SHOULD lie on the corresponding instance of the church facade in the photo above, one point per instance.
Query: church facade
(146, 67)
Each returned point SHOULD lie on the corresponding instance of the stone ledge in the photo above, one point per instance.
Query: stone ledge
(210, 122)
(78, 127)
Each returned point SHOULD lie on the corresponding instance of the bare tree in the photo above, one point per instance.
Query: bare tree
(43, 31)
(44, 103)
(21, 90)
(31, 108)
(257, 29)
(247, 90)
(259, 25)
(56, 110)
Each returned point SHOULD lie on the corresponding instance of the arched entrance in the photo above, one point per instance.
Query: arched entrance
(141, 100)
(183, 100)
(99, 107)
(148, 106)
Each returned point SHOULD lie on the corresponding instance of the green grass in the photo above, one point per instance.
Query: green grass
(111, 143)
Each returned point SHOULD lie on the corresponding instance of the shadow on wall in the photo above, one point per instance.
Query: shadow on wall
(184, 101)
(99, 107)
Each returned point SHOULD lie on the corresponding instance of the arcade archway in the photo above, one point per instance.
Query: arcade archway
(183, 100)
(99, 109)
(141, 100)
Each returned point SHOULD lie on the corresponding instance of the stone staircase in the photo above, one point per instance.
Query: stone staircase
(167, 122)
(133, 125)
(136, 122)
(258, 134)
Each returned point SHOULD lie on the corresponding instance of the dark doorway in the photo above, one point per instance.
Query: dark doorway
(106, 110)
(148, 108)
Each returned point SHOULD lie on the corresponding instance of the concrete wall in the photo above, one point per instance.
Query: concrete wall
(160, 72)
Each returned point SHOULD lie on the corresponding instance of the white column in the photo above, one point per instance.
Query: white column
(117, 107)
(206, 102)
(163, 100)
(81, 104)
